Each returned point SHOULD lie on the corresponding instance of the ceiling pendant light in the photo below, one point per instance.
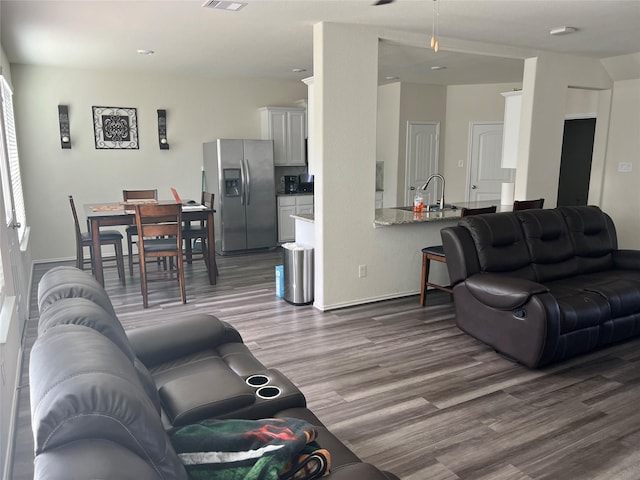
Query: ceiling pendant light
(435, 44)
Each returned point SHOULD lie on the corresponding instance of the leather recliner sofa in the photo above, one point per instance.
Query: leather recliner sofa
(103, 400)
(541, 286)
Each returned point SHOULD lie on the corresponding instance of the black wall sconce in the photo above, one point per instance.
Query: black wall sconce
(63, 119)
(162, 130)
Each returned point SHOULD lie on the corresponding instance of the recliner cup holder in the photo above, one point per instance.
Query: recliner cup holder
(268, 392)
(258, 380)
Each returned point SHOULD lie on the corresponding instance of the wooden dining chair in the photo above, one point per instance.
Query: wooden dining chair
(107, 237)
(192, 232)
(436, 253)
(132, 230)
(527, 204)
(160, 236)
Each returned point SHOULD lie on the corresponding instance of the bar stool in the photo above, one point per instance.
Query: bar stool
(527, 204)
(436, 253)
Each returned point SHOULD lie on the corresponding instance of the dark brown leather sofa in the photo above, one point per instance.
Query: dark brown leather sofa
(541, 286)
(103, 400)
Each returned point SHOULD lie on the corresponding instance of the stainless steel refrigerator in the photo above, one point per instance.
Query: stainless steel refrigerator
(241, 175)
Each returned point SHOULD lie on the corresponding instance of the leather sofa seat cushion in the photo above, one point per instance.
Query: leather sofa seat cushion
(578, 308)
(500, 244)
(622, 295)
(209, 392)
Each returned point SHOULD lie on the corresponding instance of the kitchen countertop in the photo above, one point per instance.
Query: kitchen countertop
(283, 194)
(392, 216)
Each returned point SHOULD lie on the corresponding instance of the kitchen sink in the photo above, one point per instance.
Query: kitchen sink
(431, 208)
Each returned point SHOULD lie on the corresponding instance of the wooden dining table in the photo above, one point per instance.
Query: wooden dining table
(117, 213)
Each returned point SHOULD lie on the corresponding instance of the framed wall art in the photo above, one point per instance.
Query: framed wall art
(115, 127)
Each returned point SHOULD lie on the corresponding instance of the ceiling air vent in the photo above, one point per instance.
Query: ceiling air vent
(224, 5)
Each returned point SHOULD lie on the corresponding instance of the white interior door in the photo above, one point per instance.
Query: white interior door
(485, 172)
(422, 159)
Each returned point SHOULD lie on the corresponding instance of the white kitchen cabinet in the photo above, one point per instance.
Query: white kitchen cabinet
(511, 129)
(291, 205)
(286, 127)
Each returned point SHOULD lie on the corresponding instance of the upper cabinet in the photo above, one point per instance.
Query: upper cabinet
(511, 130)
(286, 127)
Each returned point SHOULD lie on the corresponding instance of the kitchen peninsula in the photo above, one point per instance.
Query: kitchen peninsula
(385, 217)
(401, 232)
(402, 215)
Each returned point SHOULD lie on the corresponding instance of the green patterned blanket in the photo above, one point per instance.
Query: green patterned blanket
(271, 449)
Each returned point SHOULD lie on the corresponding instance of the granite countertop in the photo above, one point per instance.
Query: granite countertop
(283, 194)
(307, 217)
(394, 216)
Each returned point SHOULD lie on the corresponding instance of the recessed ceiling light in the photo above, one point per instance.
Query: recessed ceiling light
(143, 51)
(438, 67)
(562, 30)
(299, 70)
(224, 5)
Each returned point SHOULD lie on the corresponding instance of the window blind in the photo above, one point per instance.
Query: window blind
(15, 179)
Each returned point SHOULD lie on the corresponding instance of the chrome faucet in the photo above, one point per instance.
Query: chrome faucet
(426, 185)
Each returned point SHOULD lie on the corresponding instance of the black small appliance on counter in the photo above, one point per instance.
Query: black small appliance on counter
(290, 184)
(305, 183)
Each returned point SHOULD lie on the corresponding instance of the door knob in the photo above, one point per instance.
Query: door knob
(412, 188)
(474, 187)
(16, 225)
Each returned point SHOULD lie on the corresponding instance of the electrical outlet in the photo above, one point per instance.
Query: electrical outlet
(461, 163)
(625, 167)
(362, 271)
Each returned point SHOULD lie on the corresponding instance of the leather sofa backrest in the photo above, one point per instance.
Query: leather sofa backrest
(539, 245)
(593, 236)
(82, 311)
(550, 248)
(83, 387)
(500, 244)
(66, 282)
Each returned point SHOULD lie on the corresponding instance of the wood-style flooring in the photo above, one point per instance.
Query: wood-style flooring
(404, 388)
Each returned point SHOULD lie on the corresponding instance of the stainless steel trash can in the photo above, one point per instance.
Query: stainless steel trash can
(298, 273)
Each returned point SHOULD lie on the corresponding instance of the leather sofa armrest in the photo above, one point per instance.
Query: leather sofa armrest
(626, 259)
(503, 292)
(163, 342)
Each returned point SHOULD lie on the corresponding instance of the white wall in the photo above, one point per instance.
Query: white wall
(467, 104)
(621, 191)
(419, 103)
(544, 106)
(198, 110)
(388, 139)
(398, 104)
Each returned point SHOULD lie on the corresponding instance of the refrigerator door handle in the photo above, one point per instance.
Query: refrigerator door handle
(243, 182)
(248, 184)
